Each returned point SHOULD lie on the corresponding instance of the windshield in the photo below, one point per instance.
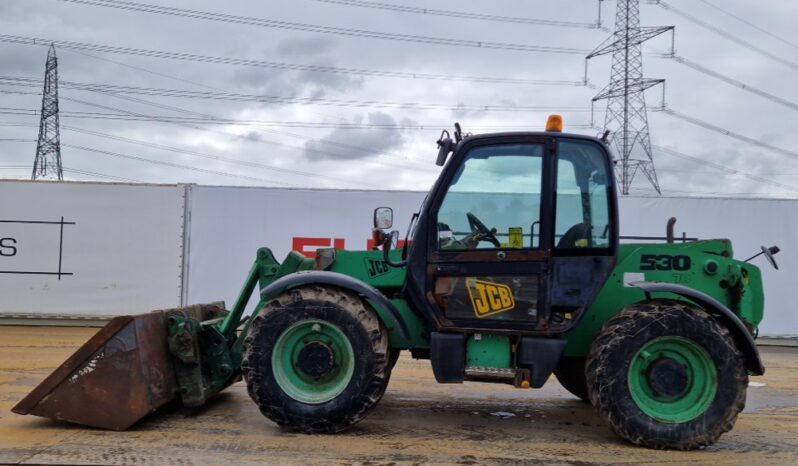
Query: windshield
(493, 200)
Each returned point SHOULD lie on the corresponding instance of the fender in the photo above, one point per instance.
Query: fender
(725, 315)
(318, 277)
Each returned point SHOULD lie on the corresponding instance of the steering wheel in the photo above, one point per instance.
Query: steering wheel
(482, 231)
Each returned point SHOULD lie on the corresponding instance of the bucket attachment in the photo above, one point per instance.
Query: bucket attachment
(120, 375)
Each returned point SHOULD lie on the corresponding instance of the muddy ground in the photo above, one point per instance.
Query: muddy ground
(418, 422)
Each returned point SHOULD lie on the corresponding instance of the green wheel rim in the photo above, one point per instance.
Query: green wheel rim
(293, 380)
(701, 384)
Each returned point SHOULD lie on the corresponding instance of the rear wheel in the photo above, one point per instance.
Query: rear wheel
(666, 375)
(316, 360)
(570, 373)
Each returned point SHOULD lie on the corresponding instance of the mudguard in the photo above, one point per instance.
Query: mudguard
(729, 319)
(339, 280)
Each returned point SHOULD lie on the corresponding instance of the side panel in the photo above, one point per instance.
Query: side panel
(119, 249)
(681, 264)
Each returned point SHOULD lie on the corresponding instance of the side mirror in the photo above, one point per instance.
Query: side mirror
(383, 218)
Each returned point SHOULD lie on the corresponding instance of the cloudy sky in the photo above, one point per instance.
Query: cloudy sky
(287, 78)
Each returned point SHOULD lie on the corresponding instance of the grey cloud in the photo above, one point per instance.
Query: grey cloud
(687, 91)
(363, 142)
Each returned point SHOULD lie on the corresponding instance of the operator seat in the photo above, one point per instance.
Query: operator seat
(574, 234)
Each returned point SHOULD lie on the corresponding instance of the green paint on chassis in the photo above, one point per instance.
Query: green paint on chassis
(736, 284)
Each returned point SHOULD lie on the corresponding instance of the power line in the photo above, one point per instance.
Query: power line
(748, 195)
(729, 133)
(723, 168)
(150, 53)
(243, 138)
(461, 14)
(264, 123)
(101, 175)
(172, 164)
(246, 163)
(270, 130)
(287, 25)
(18, 123)
(745, 21)
(728, 80)
(276, 99)
(725, 34)
(74, 170)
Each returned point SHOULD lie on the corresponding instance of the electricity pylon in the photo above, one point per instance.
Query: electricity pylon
(626, 118)
(47, 164)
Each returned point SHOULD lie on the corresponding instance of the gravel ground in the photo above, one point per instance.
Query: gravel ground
(417, 422)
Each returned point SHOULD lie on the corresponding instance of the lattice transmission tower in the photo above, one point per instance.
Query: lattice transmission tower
(47, 164)
(626, 118)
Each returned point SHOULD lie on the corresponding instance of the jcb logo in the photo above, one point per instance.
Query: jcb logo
(489, 298)
(376, 267)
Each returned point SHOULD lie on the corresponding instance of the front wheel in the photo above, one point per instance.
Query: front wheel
(316, 360)
(664, 374)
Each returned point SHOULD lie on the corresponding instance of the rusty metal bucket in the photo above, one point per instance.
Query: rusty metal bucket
(123, 373)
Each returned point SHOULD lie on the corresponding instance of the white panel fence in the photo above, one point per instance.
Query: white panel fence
(129, 248)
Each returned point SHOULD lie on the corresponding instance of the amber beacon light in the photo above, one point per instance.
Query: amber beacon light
(554, 123)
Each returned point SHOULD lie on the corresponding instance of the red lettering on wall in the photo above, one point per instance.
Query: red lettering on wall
(307, 246)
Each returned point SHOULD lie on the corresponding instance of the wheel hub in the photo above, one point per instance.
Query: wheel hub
(313, 361)
(316, 359)
(667, 378)
(672, 379)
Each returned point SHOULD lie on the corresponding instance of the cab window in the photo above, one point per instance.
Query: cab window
(493, 201)
(583, 197)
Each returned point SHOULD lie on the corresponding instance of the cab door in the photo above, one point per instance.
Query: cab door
(490, 236)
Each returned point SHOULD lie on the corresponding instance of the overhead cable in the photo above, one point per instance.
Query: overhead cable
(288, 25)
(727, 35)
(723, 168)
(171, 164)
(461, 14)
(276, 99)
(728, 80)
(729, 133)
(749, 23)
(150, 53)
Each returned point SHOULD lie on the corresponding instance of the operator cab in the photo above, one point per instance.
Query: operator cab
(518, 234)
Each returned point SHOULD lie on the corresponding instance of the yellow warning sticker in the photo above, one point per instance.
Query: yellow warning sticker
(489, 298)
(516, 237)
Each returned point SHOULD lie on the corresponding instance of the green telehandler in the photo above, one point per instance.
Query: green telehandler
(511, 271)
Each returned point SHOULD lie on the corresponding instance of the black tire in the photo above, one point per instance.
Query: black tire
(619, 341)
(363, 330)
(570, 372)
(395, 353)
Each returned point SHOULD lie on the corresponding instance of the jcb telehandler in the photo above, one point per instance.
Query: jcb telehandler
(512, 270)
